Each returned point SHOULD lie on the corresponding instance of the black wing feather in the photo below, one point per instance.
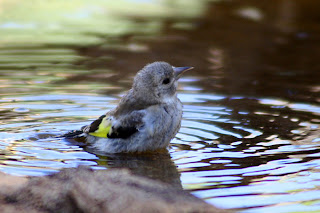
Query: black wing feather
(130, 124)
(122, 132)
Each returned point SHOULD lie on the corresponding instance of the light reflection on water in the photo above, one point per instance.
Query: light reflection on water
(220, 157)
(274, 165)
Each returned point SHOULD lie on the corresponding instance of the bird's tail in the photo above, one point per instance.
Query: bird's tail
(73, 134)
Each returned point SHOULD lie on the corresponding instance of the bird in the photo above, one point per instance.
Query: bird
(147, 117)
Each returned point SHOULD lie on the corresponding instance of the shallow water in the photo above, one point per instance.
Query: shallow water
(250, 132)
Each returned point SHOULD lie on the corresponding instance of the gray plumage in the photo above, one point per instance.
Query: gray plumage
(147, 117)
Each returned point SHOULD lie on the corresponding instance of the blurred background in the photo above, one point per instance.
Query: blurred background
(250, 133)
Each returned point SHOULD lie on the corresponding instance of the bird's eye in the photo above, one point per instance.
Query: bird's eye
(166, 81)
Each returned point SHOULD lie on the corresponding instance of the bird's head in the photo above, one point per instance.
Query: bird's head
(158, 80)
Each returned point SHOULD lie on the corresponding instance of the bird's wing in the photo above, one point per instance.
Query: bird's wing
(108, 127)
(100, 127)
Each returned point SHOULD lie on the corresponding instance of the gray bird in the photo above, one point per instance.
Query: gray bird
(147, 117)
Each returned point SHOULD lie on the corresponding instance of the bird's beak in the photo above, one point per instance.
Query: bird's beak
(178, 71)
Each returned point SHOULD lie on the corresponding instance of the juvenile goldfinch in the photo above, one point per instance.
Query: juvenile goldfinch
(147, 117)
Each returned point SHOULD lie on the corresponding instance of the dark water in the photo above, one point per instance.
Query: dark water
(250, 136)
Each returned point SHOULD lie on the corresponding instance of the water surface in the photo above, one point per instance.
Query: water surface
(249, 139)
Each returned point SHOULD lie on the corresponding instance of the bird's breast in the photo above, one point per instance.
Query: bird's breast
(159, 119)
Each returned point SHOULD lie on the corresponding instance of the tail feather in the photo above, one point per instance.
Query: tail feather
(73, 134)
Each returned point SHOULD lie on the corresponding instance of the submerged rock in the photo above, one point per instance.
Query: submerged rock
(84, 190)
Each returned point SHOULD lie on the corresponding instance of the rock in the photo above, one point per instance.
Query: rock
(84, 190)
(9, 184)
(10, 181)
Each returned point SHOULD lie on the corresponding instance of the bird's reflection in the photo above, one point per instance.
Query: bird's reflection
(157, 166)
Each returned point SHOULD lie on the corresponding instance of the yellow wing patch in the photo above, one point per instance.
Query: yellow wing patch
(103, 129)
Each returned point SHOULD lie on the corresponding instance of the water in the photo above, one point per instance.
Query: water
(249, 139)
